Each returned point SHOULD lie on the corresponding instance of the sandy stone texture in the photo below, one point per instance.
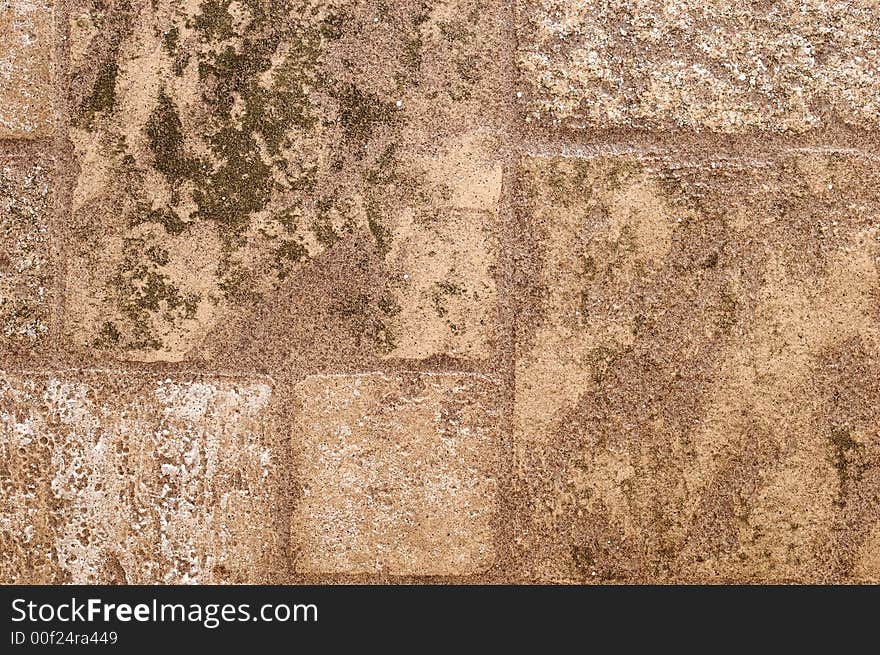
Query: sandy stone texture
(116, 478)
(787, 66)
(398, 474)
(26, 68)
(26, 272)
(235, 155)
(697, 396)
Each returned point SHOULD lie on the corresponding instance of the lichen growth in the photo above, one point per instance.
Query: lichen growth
(441, 291)
(845, 456)
(360, 113)
(288, 253)
(103, 96)
(142, 293)
(165, 133)
(380, 233)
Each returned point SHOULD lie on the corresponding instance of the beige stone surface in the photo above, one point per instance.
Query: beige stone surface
(722, 66)
(696, 390)
(116, 478)
(398, 473)
(440, 291)
(26, 68)
(26, 271)
(228, 151)
(868, 563)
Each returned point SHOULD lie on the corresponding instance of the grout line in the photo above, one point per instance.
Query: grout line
(64, 182)
(507, 508)
(552, 149)
(26, 142)
(506, 367)
(388, 373)
(126, 371)
(831, 139)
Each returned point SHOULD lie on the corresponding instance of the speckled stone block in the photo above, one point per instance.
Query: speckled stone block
(697, 396)
(26, 276)
(118, 478)
(230, 150)
(398, 474)
(723, 66)
(26, 68)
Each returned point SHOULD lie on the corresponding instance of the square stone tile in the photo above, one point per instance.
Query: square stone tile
(230, 150)
(398, 474)
(118, 478)
(26, 271)
(696, 387)
(787, 66)
(26, 68)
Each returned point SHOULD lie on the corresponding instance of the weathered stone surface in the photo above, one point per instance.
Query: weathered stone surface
(226, 149)
(116, 478)
(867, 567)
(443, 288)
(25, 267)
(696, 386)
(719, 65)
(26, 68)
(398, 474)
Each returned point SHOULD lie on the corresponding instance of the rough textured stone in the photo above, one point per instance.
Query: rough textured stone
(719, 65)
(25, 267)
(649, 355)
(227, 149)
(26, 68)
(696, 387)
(398, 474)
(108, 477)
(867, 567)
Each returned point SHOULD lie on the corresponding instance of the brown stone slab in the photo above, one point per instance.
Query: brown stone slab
(116, 478)
(398, 474)
(723, 66)
(26, 68)
(26, 271)
(230, 151)
(697, 394)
